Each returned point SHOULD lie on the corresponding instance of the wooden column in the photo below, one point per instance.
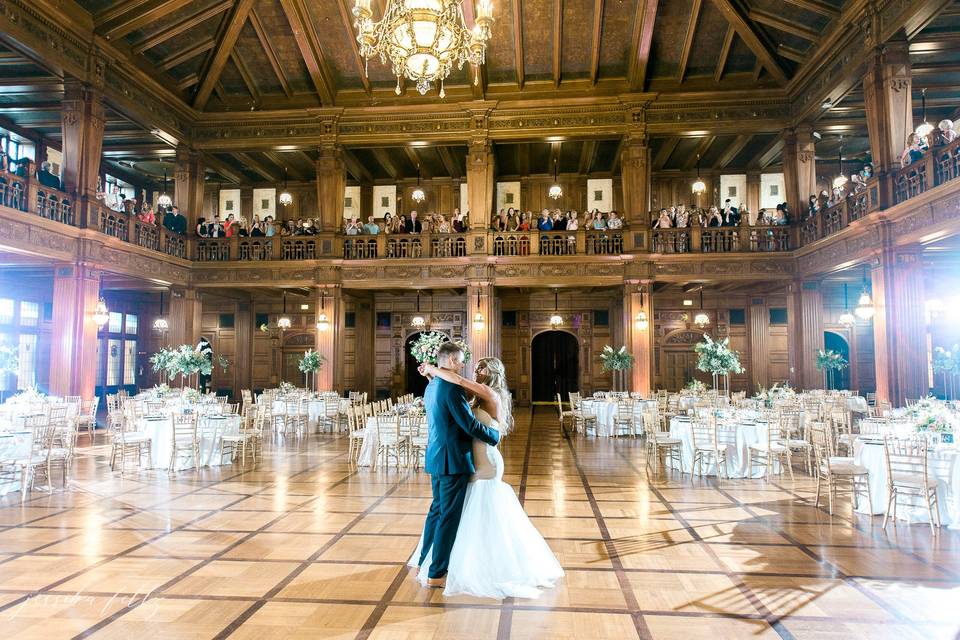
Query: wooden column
(899, 326)
(73, 348)
(887, 87)
(188, 184)
(243, 365)
(753, 193)
(329, 343)
(635, 167)
(791, 185)
(331, 185)
(759, 328)
(480, 184)
(794, 334)
(366, 201)
(184, 317)
(639, 342)
(811, 311)
(364, 355)
(82, 120)
(806, 167)
(484, 343)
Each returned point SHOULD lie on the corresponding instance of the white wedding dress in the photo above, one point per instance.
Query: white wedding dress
(498, 553)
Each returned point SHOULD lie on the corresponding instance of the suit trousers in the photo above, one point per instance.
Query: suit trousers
(443, 519)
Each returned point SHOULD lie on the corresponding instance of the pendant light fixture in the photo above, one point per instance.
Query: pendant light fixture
(478, 321)
(418, 322)
(556, 191)
(924, 128)
(701, 319)
(161, 324)
(556, 320)
(865, 308)
(841, 179)
(418, 195)
(285, 198)
(698, 186)
(101, 315)
(164, 200)
(323, 323)
(283, 322)
(847, 319)
(641, 322)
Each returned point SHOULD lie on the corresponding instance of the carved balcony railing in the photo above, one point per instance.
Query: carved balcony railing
(743, 238)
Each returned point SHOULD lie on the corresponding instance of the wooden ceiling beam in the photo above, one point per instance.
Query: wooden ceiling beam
(618, 156)
(453, 169)
(356, 168)
(767, 154)
(285, 165)
(666, 150)
(595, 50)
(381, 156)
(226, 38)
(309, 45)
(189, 53)
(791, 54)
(188, 81)
(701, 149)
(587, 152)
(347, 17)
(732, 151)
(517, 42)
(780, 24)
(688, 39)
(246, 76)
(267, 172)
(224, 169)
(523, 158)
(751, 38)
(817, 6)
(724, 53)
(270, 52)
(132, 15)
(639, 57)
(557, 42)
(554, 157)
(164, 34)
(415, 160)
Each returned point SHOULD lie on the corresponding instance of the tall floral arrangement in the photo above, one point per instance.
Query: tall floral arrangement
(427, 346)
(946, 362)
(615, 359)
(186, 361)
(311, 363)
(829, 362)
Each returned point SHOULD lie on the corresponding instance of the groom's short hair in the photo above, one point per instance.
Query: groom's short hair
(448, 349)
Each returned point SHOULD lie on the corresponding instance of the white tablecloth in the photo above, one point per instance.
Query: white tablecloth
(371, 442)
(315, 409)
(606, 411)
(209, 430)
(857, 404)
(736, 437)
(943, 464)
(14, 445)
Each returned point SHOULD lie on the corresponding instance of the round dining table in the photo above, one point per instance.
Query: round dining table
(606, 412)
(209, 430)
(735, 433)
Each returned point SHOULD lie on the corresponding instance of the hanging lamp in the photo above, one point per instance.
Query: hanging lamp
(161, 324)
(924, 128)
(285, 198)
(556, 320)
(164, 200)
(418, 195)
(841, 179)
(865, 308)
(283, 322)
(846, 318)
(698, 186)
(701, 319)
(641, 322)
(418, 322)
(323, 323)
(478, 321)
(556, 191)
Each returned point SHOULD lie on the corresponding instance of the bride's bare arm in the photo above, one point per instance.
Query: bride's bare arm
(482, 391)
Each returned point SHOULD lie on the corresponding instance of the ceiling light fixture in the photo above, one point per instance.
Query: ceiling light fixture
(698, 186)
(556, 191)
(478, 322)
(865, 308)
(164, 200)
(418, 195)
(423, 39)
(283, 322)
(161, 324)
(556, 320)
(841, 179)
(846, 318)
(418, 322)
(323, 323)
(641, 322)
(285, 198)
(701, 319)
(924, 128)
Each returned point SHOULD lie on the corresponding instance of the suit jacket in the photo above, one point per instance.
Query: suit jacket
(452, 428)
(413, 226)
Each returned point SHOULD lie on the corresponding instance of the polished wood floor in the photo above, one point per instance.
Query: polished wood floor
(304, 546)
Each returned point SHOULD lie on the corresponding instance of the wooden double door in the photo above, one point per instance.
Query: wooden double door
(678, 367)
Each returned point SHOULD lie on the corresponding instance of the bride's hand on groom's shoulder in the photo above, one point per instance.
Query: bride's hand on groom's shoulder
(424, 369)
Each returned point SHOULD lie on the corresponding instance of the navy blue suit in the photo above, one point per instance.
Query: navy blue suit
(449, 461)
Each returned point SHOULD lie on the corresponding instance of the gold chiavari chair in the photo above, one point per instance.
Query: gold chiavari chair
(357, 425)
(624, 421)
(243, 438)
(908, 475)
(126, 441)
(836, 472)
(566, 418)
(707, 447)
(390, 442)
(796, 436)
(294, 417)
(330, 418)
(584, 421)
(417, 444)
(185, 440)
(87, 416)
(771, 452)
(659, 443)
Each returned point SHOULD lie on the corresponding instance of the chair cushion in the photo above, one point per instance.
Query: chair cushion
(848, 469)
(668, 441)
(799, 444)
(835, 460)
(776, 448)
(913, 481)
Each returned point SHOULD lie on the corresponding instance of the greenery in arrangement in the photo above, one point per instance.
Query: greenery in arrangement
(932, 415)
(186, 361)
(774, 393)
(696, 386)
(717, 358)
(615, 359)
(287, 387)
(311, 362)
(946, 362)
(9, 359)
(830, 360)
(428, 344)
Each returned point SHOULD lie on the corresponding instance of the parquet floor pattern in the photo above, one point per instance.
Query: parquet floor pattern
(306, 546)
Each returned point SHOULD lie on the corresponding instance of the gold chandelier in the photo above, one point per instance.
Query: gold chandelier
(424, 39)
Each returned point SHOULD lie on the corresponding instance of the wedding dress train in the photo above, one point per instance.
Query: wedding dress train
(498, 553)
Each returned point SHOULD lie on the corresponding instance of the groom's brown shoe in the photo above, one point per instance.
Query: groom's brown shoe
(437, 583)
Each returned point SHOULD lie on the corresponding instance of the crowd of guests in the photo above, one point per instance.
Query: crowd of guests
(556, 220)
(27, 168)
(942, 134)
(457, 222)
(728, 215)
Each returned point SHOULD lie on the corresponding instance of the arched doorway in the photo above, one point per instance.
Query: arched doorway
(555, 363)
(836, 342)
(416, 383)
(678, 360)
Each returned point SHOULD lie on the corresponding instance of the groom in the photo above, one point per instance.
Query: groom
(449, 460)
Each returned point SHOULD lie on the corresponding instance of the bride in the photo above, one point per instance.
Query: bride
(498, 553)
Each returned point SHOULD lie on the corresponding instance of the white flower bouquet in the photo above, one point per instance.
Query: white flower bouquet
(615, 359)
(427, 346)
(717, 358)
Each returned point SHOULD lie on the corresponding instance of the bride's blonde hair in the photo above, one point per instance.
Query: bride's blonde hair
(497, 380)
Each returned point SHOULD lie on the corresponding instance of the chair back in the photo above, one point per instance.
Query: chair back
(184, 428)
(906, 458)
(704, 433)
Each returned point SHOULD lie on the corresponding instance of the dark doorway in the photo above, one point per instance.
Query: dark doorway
(555, 363)
(835, 342)
(416, 383)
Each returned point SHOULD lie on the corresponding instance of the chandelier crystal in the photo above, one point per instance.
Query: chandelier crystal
(864, 308)
(701, 320)
(418, 322)
(418, 195)
(164, 200)
(101, 315)
(556, 320)
(424, 39)
(847, 319)
(641, 322)
(556, 192)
